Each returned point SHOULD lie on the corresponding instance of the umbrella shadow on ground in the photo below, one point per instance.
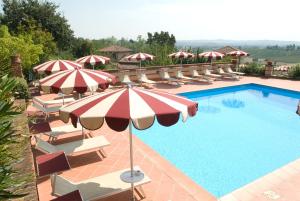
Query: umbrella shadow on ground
(209, 109)
(166, 86)
(85, 159)
(233, 103)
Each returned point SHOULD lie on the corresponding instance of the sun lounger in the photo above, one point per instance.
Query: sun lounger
(228, 69)
(207, 73)
(142, 77)
(227, 75)
(61, 130)
(125, 79)
(194, 73)
(164, 75)
(97, 187)
(50, 106)
(70, 148)
(179, 75)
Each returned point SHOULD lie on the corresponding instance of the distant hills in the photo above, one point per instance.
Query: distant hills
(236, 43)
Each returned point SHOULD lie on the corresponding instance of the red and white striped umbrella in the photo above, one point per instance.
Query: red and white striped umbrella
(79, 80)
(238, 53)
(121, 108)
(181, 55)
(140, 57)
(212, 55)
(54, 66)
(93, 60)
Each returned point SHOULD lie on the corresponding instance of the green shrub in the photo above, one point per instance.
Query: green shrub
(253, 69)
(21, 91)
(294, 72)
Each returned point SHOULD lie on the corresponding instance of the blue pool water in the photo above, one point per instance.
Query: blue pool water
(238, 135)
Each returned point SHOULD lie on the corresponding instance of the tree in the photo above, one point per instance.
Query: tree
(162, 38)
(18, 13)
(82, 47)
(22, 44)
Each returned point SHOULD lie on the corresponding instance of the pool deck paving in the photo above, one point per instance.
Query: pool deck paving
(167, 182)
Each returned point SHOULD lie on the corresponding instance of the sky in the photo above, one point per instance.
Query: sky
(186, 19)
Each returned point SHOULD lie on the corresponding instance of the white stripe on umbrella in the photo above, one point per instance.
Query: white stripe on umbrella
(56, 66)
(93, 59)
(80, 80)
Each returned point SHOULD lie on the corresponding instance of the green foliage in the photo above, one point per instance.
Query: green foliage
(7, 137)
(253, 69)
(18, 13)
(162, 38)
(21, 90)
(40, 37)
(276, 53)
(82, 47)
(22, 44)
(294, 72)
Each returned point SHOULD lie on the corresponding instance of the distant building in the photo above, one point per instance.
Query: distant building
(226, 49)
(116, 52)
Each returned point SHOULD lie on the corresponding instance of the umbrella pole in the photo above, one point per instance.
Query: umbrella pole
(140, 64)
(181, 62)
(131, 158)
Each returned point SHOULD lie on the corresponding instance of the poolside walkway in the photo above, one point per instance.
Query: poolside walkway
(168, 183)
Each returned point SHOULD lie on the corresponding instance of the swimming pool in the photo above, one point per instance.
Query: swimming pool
(239, 134)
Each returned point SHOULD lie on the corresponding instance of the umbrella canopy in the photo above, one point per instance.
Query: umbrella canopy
(181, 55)
(238, 53)
(125, 107)
(140, 57)
(93, 60)
(120, 107)
(79, 80)
(212, 55)
(54, 66)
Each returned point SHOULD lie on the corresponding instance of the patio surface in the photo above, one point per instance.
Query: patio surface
(169, 183)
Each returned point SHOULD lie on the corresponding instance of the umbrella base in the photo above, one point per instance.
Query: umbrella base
(136, 177)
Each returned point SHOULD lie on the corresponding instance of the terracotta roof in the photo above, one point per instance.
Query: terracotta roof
(226, 49)
(115, 48)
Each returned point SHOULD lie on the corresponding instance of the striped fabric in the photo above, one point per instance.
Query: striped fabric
(238, 53)
(79, 80)
(54, 66)
(140, 57)
(181, 55)
(93, 59)
(212, 55)
(117, 108)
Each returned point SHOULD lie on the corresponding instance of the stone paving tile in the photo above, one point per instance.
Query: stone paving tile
(169, 183)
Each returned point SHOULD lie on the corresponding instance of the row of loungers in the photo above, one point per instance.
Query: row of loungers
(206, 76)
(93, 188)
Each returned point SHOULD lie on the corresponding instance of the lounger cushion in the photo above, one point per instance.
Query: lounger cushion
(83, 145)
(60, 130)
(45, 146)
(61, 186)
